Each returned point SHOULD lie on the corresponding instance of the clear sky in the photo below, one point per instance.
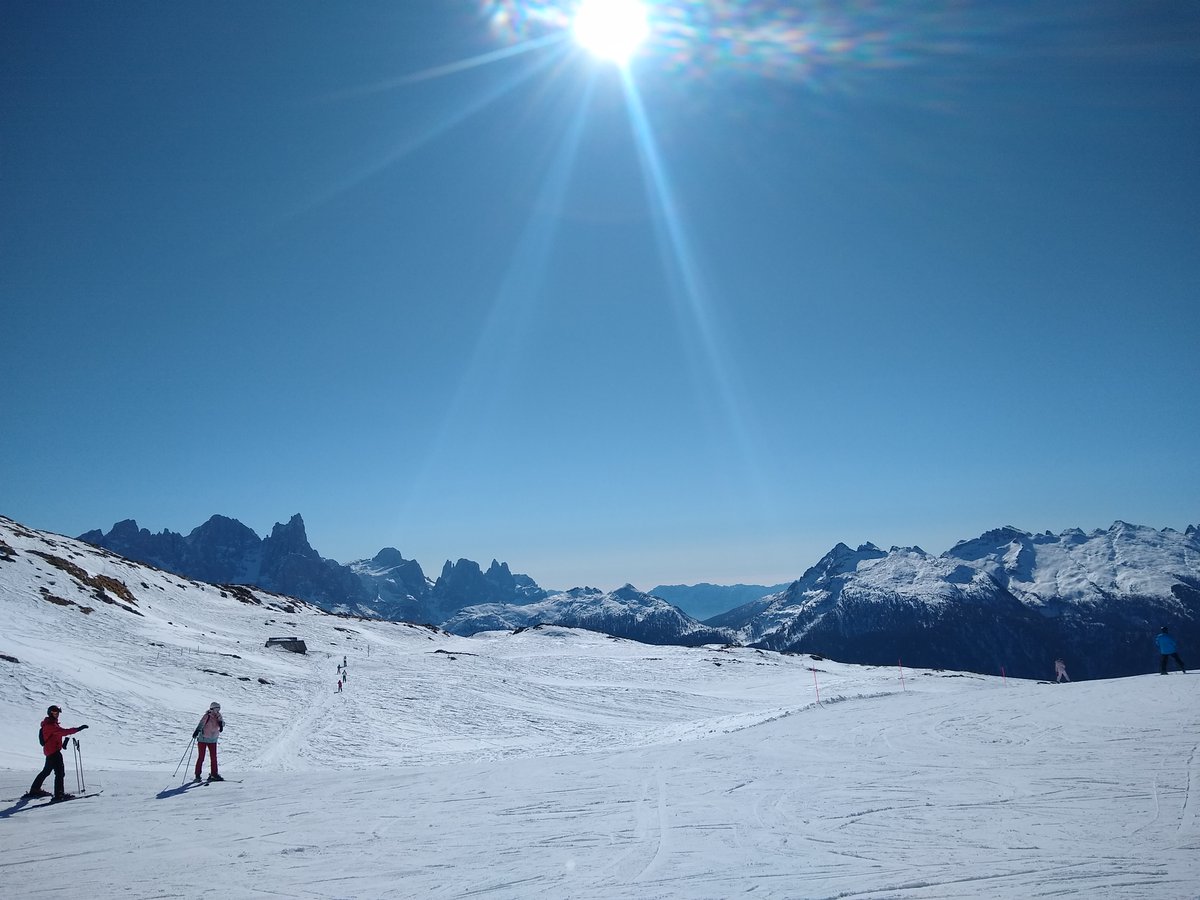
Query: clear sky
(436, 277)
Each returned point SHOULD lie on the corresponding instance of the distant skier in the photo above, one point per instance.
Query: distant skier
(206, 734)
(1166, 646)
(339, 685)
(54, 738)
(1060, 670)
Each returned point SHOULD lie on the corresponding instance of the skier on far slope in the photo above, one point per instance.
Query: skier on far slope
(1166, 646)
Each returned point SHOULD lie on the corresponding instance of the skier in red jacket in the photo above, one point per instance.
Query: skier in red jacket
(54, 738)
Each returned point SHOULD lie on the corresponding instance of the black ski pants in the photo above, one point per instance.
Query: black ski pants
(1174, 656)
(54, 763)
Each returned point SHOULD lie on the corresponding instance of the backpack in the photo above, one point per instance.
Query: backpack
(41, 740)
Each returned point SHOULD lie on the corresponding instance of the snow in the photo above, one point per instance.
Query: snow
(559, 763)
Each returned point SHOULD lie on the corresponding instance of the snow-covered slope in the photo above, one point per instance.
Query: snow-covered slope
(556, 762)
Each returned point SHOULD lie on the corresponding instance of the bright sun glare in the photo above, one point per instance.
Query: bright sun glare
(611, 29)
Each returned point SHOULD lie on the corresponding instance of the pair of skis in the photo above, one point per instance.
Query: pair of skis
(25, 803)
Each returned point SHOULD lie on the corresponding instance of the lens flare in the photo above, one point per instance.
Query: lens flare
(611, 29)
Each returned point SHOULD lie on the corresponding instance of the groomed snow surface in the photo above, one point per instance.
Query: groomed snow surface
(557, 763)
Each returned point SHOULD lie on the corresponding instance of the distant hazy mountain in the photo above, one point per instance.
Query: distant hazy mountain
(702, 601)
(1007, 599)
(625, 612)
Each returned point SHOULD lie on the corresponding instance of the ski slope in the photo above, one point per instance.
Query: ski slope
(557, 763)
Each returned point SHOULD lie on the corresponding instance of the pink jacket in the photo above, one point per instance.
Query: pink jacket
(210, 727)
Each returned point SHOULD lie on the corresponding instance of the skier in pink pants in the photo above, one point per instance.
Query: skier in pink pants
(206, 735)
(1060, 669)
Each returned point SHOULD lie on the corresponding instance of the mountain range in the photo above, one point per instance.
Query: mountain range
(388, 586)
(1009, 601)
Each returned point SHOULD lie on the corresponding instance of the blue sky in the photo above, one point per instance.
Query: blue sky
(797, 276)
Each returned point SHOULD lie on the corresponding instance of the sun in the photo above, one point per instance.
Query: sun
(611, 29)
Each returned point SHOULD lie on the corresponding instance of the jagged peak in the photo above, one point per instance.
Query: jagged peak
(628, 592)
(463, 571)
(222, 525)
(1006, 534)
(290, 539)
(989, 542)
(388, 556)
(218, 519)
(841, 559)
(580, 592)
(295, 525)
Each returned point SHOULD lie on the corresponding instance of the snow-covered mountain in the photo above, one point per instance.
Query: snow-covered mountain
(1008, 600)
(625, 612)
(398, 587)
(554, 762)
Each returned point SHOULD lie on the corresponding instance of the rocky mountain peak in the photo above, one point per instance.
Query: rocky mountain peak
(388, 557)
(224, 531)
(125, 529)
(290, 540)
(841, 560)
(991, 543)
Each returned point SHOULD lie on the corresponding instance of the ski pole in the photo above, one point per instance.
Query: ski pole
(188, 753)
(79, 767)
